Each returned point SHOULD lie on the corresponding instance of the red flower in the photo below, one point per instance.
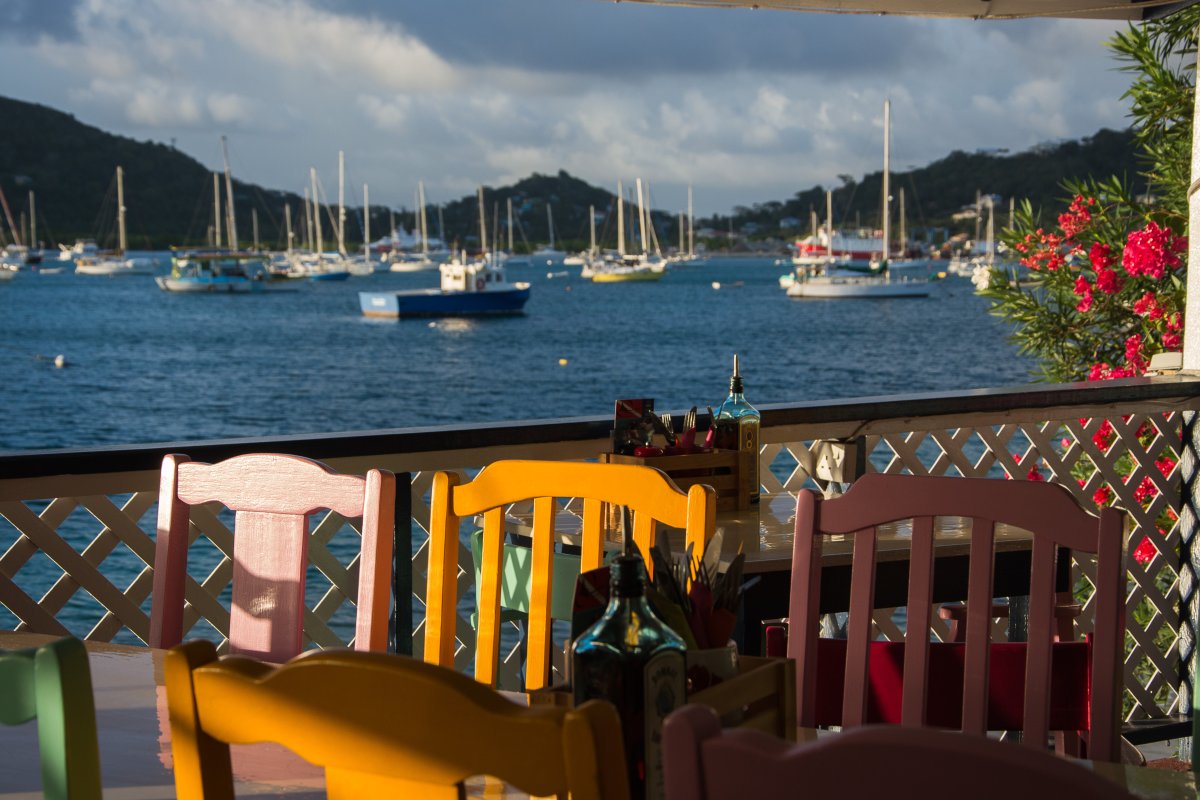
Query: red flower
(1147, 306)
(1146, 490)
(1103, 437)
(1151, 251)
(1172, 341)
(1077, 218)
(1165, 465)
(1145, 552)
(1103, 495)
(1101, 256)
(1134, 358)
(1109, 281)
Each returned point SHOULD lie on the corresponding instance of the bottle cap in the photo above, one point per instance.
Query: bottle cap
(735, 380)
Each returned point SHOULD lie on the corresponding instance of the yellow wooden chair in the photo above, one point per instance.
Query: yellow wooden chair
(382, 726)
(648, 493)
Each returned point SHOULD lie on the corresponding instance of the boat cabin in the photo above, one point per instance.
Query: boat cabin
(474, 276)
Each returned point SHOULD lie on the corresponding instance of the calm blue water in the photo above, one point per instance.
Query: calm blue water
(147, 366)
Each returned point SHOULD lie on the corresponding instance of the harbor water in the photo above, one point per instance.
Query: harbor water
(148, 366)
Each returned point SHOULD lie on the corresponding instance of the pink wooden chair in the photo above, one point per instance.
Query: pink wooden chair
(704, 762)
(272, 496)
(1032, 672)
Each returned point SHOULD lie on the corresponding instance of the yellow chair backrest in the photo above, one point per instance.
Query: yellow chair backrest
(382, 726)
(649, 493)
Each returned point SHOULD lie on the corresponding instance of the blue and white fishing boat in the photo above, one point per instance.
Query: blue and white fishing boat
(216, 272)
(468, 289)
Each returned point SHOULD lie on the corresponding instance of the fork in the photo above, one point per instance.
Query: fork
(688, 439)
(669, 431)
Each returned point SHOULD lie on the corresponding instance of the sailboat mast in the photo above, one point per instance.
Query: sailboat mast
(991, 232)
(231, 222)
(424, 223)
(32, 222)
(121, 209)
(642, 219)
(620, 221)
(341, 232)
(887, 134)
(691, 226)
(681, 233)
(308, 226)
(287, 225)
(216, 210)
(482, 225)
(510, 226)
(829, 225)
(318, 244)
(254, 225)
(592, 229)
(903, 227)
(550, 223)
(367, 222)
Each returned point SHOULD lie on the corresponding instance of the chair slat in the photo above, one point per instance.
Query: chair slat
(592, 546)
(441, 583)
(805, 604)
(1041, 632)
(643, 535)
(978, 626)
(270, 556)
(537, 659)
(858, 630)
(920, 611)
(487, 636)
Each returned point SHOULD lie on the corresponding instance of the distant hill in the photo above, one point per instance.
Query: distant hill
(935, 192)
(168, 194)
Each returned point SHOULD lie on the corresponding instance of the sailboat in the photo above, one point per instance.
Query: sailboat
(116, 262)
(623, 267)
(407, 261)
(826, 281)
(218, 270)
(550, 253)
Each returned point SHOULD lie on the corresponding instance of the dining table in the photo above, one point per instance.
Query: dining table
(135, 742)
(765, 531)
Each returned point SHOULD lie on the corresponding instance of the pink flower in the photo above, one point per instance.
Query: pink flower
(1077, 218)
(1134, 358)
(1172, 341)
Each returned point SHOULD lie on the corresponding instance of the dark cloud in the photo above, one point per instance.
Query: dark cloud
(22, 19)
(633, 40)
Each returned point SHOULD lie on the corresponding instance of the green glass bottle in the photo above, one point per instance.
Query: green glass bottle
(637, 663)
(737, 425)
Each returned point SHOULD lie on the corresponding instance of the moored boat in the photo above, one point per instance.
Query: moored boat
(468, 289)
(216, 272)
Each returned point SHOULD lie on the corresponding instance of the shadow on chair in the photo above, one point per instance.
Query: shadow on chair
(704, 762)
(273, 496)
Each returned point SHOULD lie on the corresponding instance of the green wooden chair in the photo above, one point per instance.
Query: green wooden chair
(517, 576)
(53, 684)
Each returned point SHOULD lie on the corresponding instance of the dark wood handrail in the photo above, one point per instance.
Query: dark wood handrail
(136, 457)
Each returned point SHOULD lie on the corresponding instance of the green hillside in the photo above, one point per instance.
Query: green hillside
(168, 194)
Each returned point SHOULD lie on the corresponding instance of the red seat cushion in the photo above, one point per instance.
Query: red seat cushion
(1069, 685)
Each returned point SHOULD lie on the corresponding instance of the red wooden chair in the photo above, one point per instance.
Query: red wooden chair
(1003, 685)
(272, 496)
(703, 762)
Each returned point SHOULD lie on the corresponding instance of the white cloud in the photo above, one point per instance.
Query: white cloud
(293, 82)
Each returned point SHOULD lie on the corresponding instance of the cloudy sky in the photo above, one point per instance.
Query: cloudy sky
(746, 105)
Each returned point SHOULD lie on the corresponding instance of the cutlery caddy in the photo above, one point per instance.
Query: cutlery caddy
(729, 472)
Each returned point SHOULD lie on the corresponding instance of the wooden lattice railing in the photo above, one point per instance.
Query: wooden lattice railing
(77, 530)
